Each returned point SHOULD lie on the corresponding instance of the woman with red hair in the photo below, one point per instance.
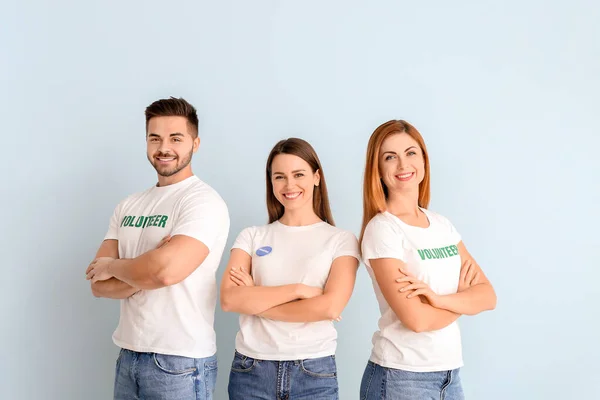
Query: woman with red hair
(423, 276)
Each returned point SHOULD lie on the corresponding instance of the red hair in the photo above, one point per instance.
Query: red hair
(375, 192)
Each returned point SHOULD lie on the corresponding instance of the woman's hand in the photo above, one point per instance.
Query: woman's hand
(240, 277)
(417, 287)
(469, 275)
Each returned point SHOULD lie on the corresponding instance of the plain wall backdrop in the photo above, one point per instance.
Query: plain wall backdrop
(506, 95)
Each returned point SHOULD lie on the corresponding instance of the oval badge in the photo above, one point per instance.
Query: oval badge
(263, 251)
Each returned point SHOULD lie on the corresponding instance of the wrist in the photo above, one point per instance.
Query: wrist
(441, 301)
(112, 267)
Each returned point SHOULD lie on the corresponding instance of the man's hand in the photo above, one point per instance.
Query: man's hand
(98, 269)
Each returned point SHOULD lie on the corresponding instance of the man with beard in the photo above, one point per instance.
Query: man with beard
(159, 257)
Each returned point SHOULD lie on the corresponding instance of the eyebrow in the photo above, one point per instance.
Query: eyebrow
(293, 172)
(179, 134)
(393, 152)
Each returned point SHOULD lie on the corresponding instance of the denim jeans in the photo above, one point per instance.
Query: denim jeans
(388, 383)
(152, 376)
(310, 379)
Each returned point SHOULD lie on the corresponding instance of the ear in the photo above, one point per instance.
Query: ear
(196, 144)
(317, 178)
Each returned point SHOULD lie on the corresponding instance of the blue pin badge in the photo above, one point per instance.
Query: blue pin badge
(263, 251)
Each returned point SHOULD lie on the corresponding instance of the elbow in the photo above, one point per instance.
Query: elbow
(166, 275)
(416, 326)
(163, 280)
(493, 302)
(96, 290)
(332, 312)
(225, 302)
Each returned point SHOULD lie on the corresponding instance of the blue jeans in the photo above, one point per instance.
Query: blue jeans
(310, 379)
(388, 383)
(152, 376)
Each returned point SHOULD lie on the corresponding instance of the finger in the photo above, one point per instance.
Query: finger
(247, 281)
(90, 267)
(407, 279)
(465, 272)
(470, 274)
(237, 281)
(413, 286)
(475, 279)
(417, 292)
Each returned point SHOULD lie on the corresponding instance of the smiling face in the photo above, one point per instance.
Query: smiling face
(401, 163)
(293, 182)
(170, 145)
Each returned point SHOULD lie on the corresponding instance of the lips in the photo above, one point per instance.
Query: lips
(292, 196)
(165, 160)
(405, 177)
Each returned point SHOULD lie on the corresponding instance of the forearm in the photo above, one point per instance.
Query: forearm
(309, 310)
(253, 300)
(143, 272)
(471, 301)
(423, 317)
(433, 319)
(113, 289)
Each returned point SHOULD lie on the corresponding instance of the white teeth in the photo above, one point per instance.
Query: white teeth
(405, 175)
(291, 195)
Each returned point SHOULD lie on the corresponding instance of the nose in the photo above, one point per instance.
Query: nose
(400, 163)
(164, 147)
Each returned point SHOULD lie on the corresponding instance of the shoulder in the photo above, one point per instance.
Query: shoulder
(199, 192)
(383, 221)
(342, 235)
(256, 230)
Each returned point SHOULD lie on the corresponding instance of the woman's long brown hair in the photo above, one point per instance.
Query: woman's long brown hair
(300, 148)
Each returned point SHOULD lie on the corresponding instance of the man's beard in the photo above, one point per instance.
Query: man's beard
(167, 171)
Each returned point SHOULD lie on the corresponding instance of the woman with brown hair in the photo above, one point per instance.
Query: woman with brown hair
(423, 276)
(289, 280)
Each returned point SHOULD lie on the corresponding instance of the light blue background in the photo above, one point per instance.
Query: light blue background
(503, 92)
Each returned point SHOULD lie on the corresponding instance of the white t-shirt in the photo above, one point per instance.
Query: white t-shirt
(431, 255)
(177, 319)
(283, 255)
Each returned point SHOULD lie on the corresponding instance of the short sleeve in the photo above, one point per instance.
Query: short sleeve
(382, 240)
(347, 245)
(204, 218)
(456, 237)
(244, 241)
(113, 225)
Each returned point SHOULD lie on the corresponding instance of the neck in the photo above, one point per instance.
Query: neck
(404, 203)
(301, 217)
(176, 178)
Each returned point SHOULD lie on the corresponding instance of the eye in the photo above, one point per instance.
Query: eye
(389, 157)
(176, 139)
(299, 175)
(278, 177)
(411, 153)
(153, 140)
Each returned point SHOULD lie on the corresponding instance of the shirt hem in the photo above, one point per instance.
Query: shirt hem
(279, 357)
(412, 368)
(169, 352)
